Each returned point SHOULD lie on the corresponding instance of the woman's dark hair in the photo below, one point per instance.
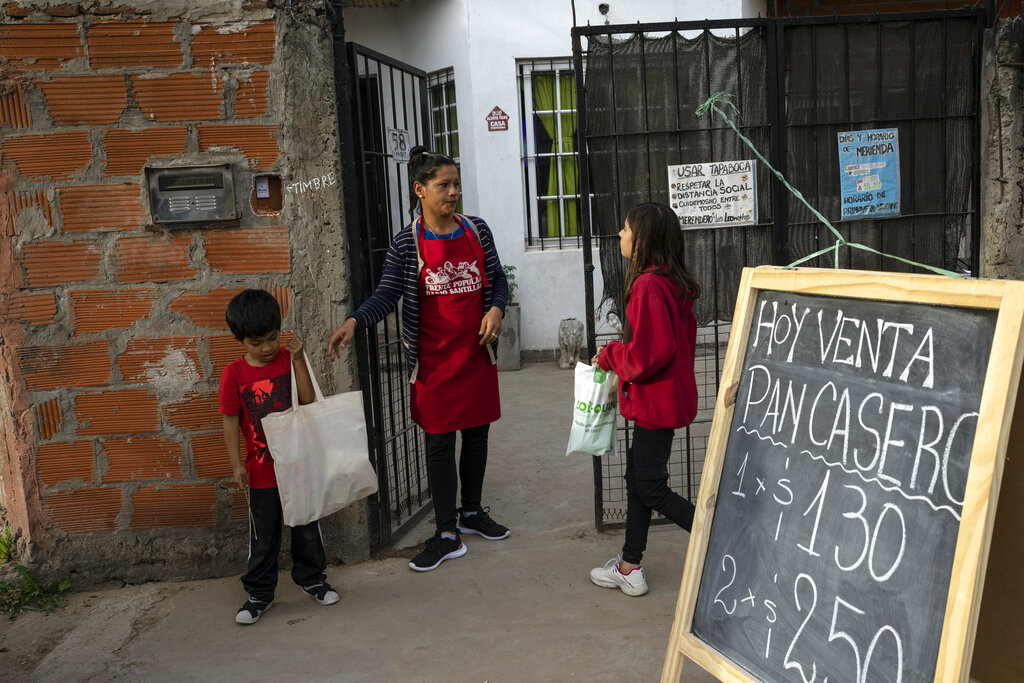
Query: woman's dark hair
(423, 166)
(253, 313)
(657, 243)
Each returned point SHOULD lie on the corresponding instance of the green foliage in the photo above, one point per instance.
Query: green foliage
(32, 596)
(510, 275)
(6, 546)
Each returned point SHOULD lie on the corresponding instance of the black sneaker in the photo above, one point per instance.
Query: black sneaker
(482, 524)
(437, 551)
(322, 593)
(251, 611)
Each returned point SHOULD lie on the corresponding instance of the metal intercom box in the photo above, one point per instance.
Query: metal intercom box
(191, 194)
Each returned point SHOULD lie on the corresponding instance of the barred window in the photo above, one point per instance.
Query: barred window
(547, 89)
(443, 117)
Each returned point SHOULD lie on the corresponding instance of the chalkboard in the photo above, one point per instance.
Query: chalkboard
(830, 544)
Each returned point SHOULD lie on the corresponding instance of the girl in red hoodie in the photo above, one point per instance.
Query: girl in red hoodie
(657, 386)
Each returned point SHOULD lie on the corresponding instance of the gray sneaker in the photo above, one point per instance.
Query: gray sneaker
(609, 576)
(251, 611)
(322, 593)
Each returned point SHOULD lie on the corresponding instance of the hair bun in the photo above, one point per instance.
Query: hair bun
(418, 151)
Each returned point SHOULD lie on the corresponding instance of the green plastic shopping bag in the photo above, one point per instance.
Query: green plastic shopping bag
(593, 411)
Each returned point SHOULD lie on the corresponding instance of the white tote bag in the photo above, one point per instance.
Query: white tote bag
(593, 411)
(320, 454)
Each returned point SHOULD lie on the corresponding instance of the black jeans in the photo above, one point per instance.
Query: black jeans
(443, 478)
(308, 557)
(647, 489)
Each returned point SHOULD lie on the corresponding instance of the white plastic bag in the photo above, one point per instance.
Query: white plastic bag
(593, 412)
(320, 454)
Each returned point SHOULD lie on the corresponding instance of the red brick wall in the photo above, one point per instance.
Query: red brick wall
(115, 332)
(817, 8)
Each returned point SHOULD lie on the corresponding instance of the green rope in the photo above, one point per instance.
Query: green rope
(723, 98)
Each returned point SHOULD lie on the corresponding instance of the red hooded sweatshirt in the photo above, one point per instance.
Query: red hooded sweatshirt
(657, 387)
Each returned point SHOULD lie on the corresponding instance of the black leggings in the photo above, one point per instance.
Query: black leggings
(647, 489)
(442, 476)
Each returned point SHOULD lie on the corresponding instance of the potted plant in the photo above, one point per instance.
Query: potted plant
(508, 343)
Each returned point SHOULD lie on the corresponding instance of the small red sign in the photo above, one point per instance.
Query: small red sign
(497, 120)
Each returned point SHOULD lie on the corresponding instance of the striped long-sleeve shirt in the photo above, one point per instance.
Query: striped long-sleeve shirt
(400, 280)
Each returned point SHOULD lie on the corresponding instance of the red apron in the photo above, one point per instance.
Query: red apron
(457, 385)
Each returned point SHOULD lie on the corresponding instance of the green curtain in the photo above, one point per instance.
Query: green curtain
(544, 99)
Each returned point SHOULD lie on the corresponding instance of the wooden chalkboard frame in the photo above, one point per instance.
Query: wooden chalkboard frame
(987, 459)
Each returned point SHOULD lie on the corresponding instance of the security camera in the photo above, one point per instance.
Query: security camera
(603, 8)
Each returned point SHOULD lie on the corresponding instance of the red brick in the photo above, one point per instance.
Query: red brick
(73, 100)
(123, 411)
(146, 360)
(66, 461)
(205, 309)
(195, 412)
(133, 44)
(14, 110)
(251, 96)
(218, 45)
(138, 458)
(14, 10)
(93, 207)
(223, 349)
(65, 10)
(239, 506)
(248, 250)
(153, 258)
(38, 199)
(84, 510)
(258, 143)
(179, 97)
(40, 47)
(54, 156)
(283, 294)
(129, 150)
(62, 366)
(210, 456)
(181, 505)
(52, 263)
(48, 418)
(98, 310)
(37, 308)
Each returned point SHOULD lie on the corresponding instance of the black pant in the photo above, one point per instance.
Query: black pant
(442, 477)
(308, 558)
(647, 489)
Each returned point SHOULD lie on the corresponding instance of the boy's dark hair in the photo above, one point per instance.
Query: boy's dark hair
(253, 313)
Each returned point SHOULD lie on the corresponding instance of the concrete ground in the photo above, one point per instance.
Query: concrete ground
(521, 609)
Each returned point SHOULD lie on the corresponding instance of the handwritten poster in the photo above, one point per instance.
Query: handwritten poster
(714, 194)
(869, 172)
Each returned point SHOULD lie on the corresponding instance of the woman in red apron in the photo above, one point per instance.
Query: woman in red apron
(445, 269)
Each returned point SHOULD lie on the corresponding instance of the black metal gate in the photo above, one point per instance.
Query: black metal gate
(388, 109)
(796, 84)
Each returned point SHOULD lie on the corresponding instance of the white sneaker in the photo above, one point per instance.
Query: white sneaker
(609, 576)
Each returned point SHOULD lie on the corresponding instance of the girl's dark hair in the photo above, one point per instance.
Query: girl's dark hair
(253, 313)
(423, 166)
(657, 243)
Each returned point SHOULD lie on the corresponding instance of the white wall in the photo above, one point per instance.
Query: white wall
(482, 39)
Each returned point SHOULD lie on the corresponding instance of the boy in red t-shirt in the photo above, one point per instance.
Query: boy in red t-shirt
(255, 385)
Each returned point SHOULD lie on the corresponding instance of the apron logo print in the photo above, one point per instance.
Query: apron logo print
(450, 279)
